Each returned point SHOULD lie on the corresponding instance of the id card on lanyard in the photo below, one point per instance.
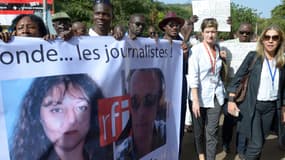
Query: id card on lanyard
(274, 91)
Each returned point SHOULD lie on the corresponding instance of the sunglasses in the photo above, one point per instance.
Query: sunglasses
(244, 32)
(274, 37)
(147, 101)
(139, 24)
(171, 25)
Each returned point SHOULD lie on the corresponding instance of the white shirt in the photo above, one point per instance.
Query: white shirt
(200, 76)
(268, 91)
(91, 32)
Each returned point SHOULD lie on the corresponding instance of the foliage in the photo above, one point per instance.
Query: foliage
(78, 10)
(155, 11)
(278, 16)
(240, 14)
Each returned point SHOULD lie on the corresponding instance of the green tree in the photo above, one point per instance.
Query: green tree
(240, 14)
(278, 16)
(80, 10)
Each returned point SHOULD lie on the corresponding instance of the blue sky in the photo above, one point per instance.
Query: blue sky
(262, 6)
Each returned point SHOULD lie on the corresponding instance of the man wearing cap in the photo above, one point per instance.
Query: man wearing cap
(61, 22)
(102, 17)
(171, 26)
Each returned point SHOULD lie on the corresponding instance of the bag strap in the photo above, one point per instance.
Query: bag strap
(252, 63)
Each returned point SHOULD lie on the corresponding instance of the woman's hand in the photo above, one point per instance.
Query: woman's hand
(196, 108)
(233, 109)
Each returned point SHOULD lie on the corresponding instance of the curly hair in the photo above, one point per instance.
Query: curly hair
(30, 141)
(38, 20)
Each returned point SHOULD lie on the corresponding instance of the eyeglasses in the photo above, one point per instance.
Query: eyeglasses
(152, 33)
(147, 101)
(244, 32)
(274, 37)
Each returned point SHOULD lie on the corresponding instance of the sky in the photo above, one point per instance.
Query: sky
(263, 7)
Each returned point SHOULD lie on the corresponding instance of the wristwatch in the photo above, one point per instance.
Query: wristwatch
(231, 99)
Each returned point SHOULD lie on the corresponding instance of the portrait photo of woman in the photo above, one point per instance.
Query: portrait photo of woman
(58, 120)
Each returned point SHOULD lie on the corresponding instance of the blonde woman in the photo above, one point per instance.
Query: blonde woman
(265, 92)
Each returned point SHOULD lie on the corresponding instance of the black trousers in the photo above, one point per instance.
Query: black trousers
(261, 125)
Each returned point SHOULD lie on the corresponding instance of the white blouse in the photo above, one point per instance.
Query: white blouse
(200, 76)
(269, 81)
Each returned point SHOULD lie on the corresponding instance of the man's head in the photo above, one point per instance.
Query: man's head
(171, 25)
(136, 25)
(79, 28)
(61, 22)
(146, 99)
(102, 16)
(245, 32)
(152, 32)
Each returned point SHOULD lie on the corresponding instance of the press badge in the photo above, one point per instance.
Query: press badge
(273, 93)
(213, 79)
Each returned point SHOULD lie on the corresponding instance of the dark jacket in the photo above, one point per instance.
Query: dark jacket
(247, 107)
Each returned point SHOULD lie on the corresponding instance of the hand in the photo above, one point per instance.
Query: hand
(223, 54)
(66, 35)
(194, 18)
(5, 36)
(233, 109)
(196, 108)
(50, 37)
(118, 35)
(185, 49)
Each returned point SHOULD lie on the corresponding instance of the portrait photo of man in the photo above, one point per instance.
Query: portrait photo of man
(146, 128)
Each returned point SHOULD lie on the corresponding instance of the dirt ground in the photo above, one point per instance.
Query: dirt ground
(271, 150)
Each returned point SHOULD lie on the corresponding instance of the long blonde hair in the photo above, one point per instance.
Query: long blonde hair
(280, 59)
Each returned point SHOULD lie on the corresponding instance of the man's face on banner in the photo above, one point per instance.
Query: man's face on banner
(144, 92)
(65, 116)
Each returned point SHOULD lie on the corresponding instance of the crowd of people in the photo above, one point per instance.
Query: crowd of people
(204, 88)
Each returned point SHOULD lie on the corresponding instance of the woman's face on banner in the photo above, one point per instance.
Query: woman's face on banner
(65, 115)
(144, 92)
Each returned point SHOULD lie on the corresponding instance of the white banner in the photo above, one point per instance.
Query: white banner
(236, 52)
(219, 9)
(90, 98)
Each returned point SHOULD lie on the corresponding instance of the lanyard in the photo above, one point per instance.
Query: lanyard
(212, 57)
(271, 75)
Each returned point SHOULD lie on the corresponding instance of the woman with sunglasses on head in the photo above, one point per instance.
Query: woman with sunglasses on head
(207, 90)
(265, 91)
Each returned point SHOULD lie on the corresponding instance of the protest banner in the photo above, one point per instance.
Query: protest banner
(236, 52)
(90, 97)
(219, 9)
